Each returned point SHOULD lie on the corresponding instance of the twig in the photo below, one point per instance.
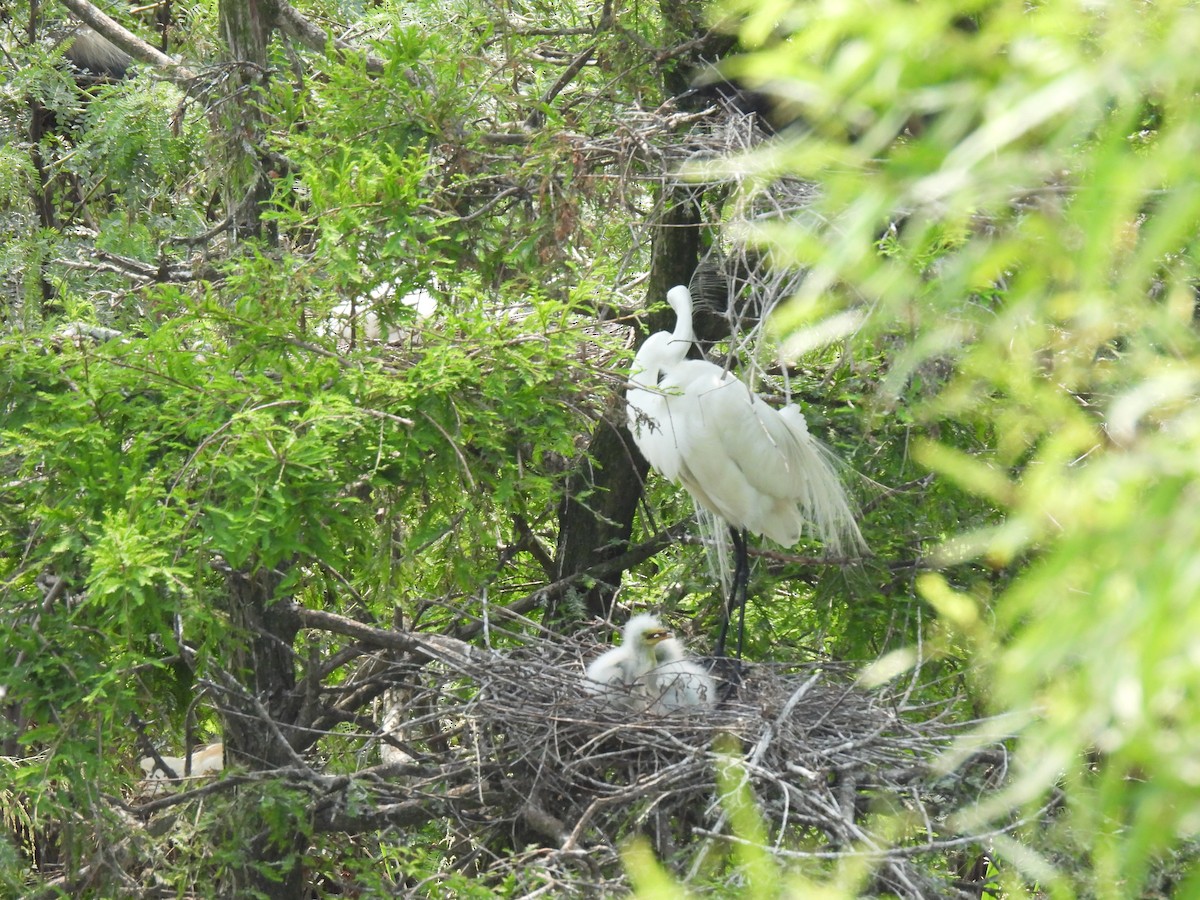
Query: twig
(538, 116)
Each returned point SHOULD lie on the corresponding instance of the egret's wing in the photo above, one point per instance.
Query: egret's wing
(783, 460)
(701, 402)
(681, 684)
(761, 468)
(650, 423)
(610, 668)
(739, 458)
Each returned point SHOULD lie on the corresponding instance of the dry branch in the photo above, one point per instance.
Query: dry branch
(296, 25)
(543, 781)
(128, 41)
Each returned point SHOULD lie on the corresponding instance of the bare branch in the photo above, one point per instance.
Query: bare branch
(314, 38)
(126, 40)
(537, 117)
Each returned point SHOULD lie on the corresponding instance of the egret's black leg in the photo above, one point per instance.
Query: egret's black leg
(720, 651)
(741, 578)
(737, 594)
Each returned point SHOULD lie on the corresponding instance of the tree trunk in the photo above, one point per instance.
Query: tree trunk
(246, 26)
(41, 121)
(260, 709)
(265, 666)
(596, 515)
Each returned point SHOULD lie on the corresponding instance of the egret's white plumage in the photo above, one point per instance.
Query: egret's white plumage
(204, 761)
(621, 669)
(359, 320)
(756, 467)
(650, 671)
(678, 683)
(353, 321)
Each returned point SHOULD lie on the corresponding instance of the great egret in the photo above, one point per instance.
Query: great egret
(756, 467)
(204, 761)
(650, 671)
(359, 321)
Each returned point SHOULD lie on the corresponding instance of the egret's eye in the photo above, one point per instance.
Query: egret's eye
(657, 635)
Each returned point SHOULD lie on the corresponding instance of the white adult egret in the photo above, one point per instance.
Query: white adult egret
(204, 761)
(756, 467)
(650, 670)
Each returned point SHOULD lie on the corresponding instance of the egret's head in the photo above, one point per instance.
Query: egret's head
(658, 352)
(644, 633)
(680, 299)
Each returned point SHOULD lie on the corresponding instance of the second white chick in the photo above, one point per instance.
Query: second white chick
(678, 682)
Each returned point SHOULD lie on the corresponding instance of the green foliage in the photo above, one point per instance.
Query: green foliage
(139, 140)
(229, 427)
(1031, 173)
(1003, 250)
(16, 175)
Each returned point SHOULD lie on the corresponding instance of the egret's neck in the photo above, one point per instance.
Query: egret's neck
(667, 651)
(684, 333)
(663, 350)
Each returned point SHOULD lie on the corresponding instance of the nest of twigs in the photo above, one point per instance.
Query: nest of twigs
(542, 781)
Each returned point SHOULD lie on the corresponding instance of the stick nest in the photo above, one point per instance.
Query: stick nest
(552, 781)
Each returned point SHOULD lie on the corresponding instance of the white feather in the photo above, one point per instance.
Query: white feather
(756, 467)
(678, 683)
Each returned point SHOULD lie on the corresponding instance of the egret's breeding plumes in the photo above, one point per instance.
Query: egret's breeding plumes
(756, 467)
(650, 671)
(95, 55)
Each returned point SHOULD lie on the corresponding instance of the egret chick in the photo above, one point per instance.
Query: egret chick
(756, 467)
(678, 683)
(621, 671)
